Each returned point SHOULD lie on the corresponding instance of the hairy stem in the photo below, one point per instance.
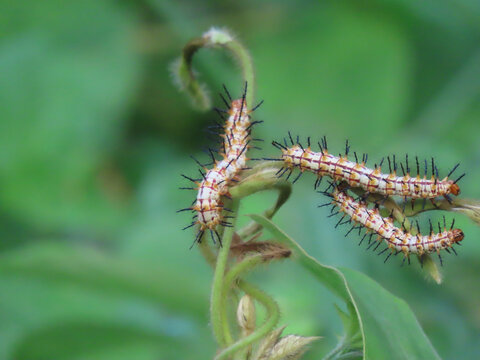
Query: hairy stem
(273, 315)
(469, 207)
(262, 178)
(242, 267)
(216, 314)
(237, 270)
(206, 251)
(184, 74)
(245, 61)
(339, 348)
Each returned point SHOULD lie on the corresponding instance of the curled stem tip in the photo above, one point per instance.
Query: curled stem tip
(185, 78)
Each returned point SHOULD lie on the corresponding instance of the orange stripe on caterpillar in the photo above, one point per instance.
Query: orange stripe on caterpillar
(358, 175)
(396, 239)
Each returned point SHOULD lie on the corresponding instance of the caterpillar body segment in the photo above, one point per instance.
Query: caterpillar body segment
(396, 238)
(357, 174)
(217, 180)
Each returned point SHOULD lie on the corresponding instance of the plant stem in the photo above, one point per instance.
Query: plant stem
(337, 350)
(207, 252)
(469, 207)
(263, 177)
(239, 269)
(216, 313)
(273, 315)
(351, 355)
(246, 64)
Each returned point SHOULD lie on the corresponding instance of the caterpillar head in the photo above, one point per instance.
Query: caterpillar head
(457, 235)
(454, 189)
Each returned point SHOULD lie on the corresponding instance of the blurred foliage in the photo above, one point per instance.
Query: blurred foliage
(93, 264)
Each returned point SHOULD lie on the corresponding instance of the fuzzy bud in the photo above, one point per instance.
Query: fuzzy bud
(267, 344)
(246, 315)
(216, 36)
(290, 347)
(268, 249)
(431, 268)
(471, 208)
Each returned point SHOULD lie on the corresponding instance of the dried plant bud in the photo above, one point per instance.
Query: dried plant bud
(268, 249)
(246, 315)
(471, 208)
(268, 343)
(236, 239)
(431, 268)
(290, 347)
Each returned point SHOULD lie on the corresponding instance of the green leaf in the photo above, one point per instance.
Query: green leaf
(389, 328)
(351, 325)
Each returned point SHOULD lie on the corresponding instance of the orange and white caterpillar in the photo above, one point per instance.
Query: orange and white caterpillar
(358, 175)
(215, 182)
(397, 239)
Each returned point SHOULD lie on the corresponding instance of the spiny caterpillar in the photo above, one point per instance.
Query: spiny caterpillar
(358, 175)
(397, 239)
(215, 182)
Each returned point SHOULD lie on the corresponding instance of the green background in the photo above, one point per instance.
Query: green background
(94, 136)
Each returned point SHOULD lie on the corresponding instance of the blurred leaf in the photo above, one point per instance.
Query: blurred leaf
(47, 287)
(70, 79)
(31, 308)
(352, 77)
(390, 330)
(95, 341)
(107, 274)
(65, 86)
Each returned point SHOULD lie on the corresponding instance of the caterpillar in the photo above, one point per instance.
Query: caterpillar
(215, 182)
(397, 239)
(357, 174)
